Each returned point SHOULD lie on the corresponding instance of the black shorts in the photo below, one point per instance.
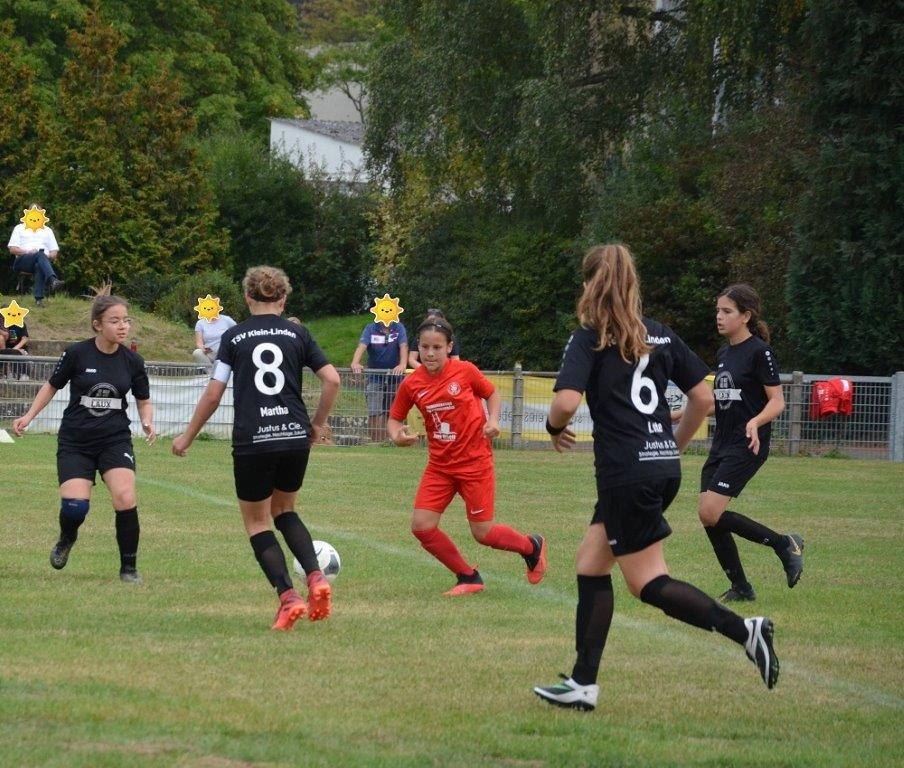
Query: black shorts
(632, 514)
(81, 462)
(258, 475)
(727, 475)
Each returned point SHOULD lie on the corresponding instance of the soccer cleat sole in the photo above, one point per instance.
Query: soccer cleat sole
(763, 653)
(583, 706)
(464, 589)
(320, 601)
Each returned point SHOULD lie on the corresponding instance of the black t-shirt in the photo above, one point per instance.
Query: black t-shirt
(98, 385)
(632, 425)
(266, 354)
(742, 372)
(16, 334)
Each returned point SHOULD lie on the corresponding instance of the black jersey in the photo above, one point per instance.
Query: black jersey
(742, 372)
(632, 425)
(98, 385)
(266, 354)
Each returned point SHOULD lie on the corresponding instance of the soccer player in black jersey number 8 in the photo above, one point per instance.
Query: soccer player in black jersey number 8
(272, 434)
(623, 362)
(748, 396)
(94, 434)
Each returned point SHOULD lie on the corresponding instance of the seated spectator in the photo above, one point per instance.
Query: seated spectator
(207, 338)
(13, 341)
(34, 247)
(414, 357)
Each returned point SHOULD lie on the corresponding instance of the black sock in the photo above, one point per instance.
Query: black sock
(127, 532)
(686, 603)
(271, 559)
(596, 603)
(726, 553)
(750, 529)
(298, 538)
(69, 527)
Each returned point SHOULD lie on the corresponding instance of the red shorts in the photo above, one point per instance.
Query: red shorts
(477, 487)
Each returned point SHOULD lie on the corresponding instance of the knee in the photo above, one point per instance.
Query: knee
(422, 534)
(75, 509)
(709, 513)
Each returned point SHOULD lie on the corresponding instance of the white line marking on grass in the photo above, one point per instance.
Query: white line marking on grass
(686, 636)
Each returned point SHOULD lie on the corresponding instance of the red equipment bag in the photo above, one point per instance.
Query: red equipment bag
(830, 397)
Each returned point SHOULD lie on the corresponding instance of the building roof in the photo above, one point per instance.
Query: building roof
(341, 130)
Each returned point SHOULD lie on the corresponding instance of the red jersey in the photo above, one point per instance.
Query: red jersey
(451, 404)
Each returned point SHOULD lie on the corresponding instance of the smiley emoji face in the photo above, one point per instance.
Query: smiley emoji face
(386, 310)
(14, 315)
(35, 218)
(208, 308)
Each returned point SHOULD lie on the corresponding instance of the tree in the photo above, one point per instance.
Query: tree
(117, 165)
(846, 277)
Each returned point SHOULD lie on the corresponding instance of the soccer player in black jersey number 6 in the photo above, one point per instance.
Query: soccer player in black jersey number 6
(748, 396)
(272, 434)
(623, 362)
(94, 434)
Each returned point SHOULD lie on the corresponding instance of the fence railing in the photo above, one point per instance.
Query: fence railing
(875, 428)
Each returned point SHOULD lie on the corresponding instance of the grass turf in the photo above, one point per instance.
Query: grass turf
(184, 670)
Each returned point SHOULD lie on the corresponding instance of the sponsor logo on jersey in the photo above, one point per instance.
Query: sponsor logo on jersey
(101, 399)
(90, 370)
(724, 390)
(658, 339)
(454, 388)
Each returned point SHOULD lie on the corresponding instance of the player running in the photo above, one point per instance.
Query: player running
(623, 362)
(272, 434)
(95, 434)
(450, 394)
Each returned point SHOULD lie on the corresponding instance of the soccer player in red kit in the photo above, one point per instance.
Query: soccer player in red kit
(450, 394)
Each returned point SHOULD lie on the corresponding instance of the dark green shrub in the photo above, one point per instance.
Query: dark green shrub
(178, 304)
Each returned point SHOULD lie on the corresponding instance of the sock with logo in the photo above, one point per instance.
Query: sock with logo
(726, 550)
(750, 529)
(503, 537)
(443, 549)
(596, 604)
(271, 559)
(686, 603)
(298, 538)
(127, 532)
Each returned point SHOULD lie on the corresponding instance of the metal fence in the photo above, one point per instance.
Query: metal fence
(875, 428)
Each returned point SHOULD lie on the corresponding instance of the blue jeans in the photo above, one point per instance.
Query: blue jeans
(39, 265)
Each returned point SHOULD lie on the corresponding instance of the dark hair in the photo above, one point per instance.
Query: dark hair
(435, 323)
(102, 304)
(434, 312)
(747, 300)
(266, 284)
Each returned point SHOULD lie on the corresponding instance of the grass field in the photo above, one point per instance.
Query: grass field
(184, 671)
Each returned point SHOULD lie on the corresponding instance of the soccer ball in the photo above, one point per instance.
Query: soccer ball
(327, 559)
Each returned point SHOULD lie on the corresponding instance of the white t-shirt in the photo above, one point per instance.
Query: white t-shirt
(32, 240)
(212, 330)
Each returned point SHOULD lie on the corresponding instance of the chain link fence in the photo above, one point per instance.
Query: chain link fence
(874, 429)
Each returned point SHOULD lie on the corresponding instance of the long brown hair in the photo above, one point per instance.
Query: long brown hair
(748, 300)
(610, 303)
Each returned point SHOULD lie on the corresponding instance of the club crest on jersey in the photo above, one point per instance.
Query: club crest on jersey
(101, 399)
(454, 388)
(724, 390)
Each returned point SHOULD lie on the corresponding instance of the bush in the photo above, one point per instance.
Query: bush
(145, 289)
(178, 304)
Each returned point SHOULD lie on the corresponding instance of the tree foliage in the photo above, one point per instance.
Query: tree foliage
(117, 168)
(846, 281)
